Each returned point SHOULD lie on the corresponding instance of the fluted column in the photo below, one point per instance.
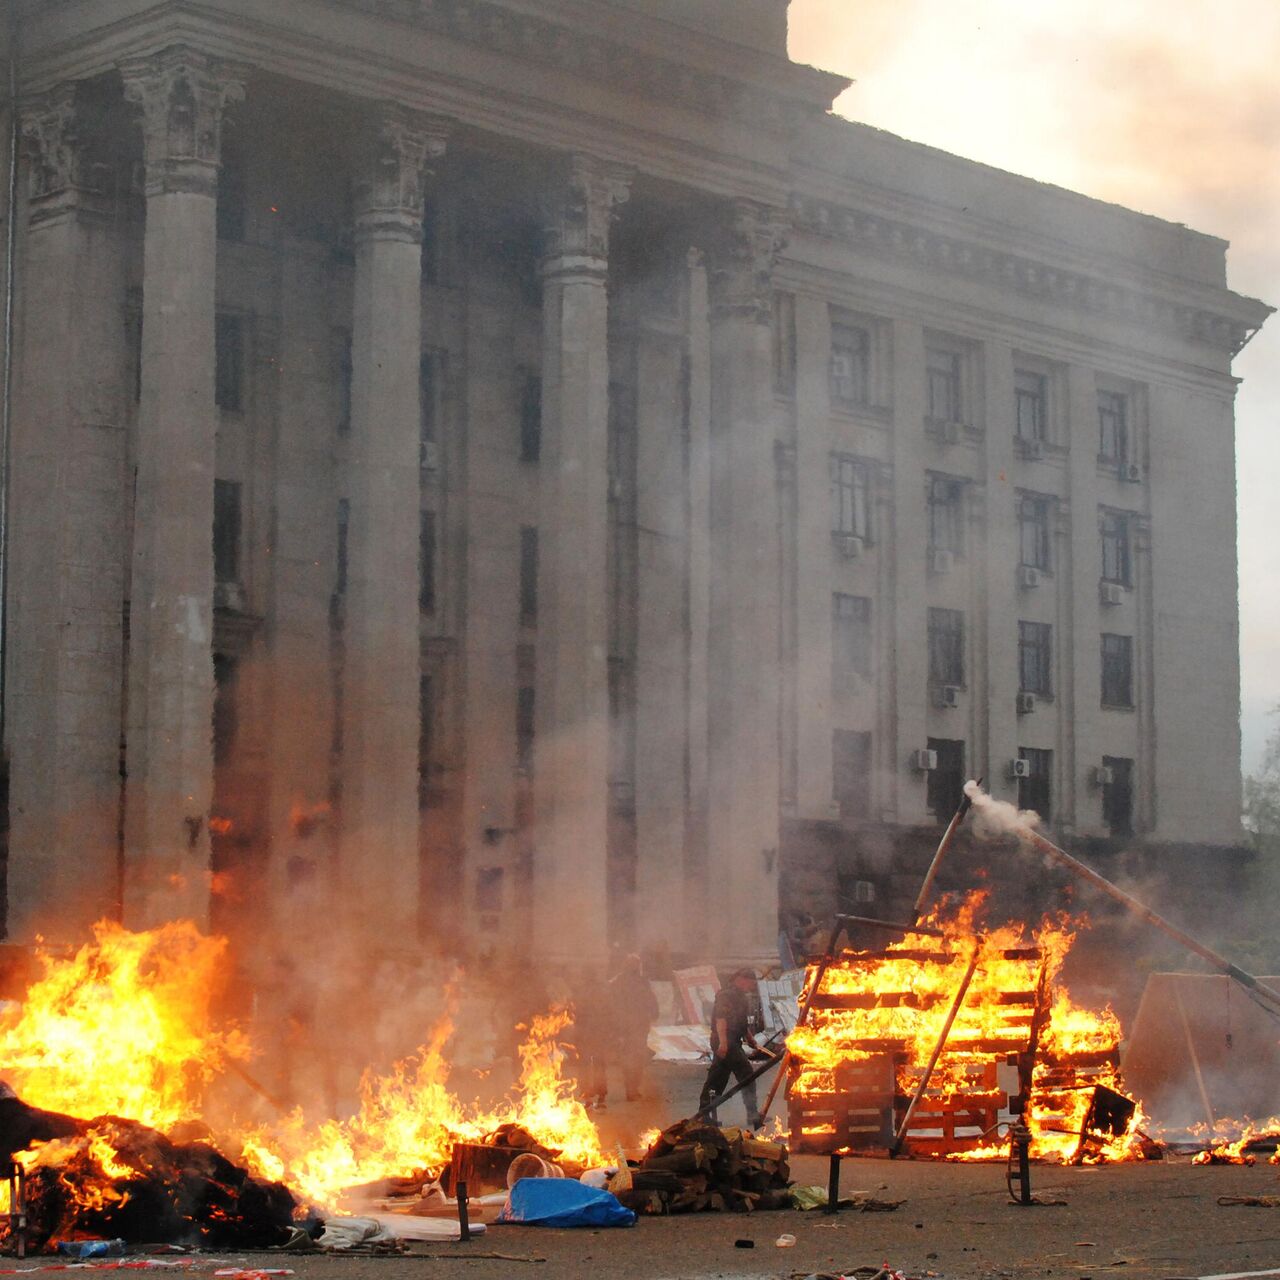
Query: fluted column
(571, 753)
(67, 538)
(378, 814)
(743, 782)
(181, 95)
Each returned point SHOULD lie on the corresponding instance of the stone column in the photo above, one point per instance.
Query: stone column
(744, 632)
(378, 848)
(67, 538)
(571, 755)
(181, 94)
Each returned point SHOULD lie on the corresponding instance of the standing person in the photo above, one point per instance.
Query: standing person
(591, 1034)
(728, 1032)
(635, 1008)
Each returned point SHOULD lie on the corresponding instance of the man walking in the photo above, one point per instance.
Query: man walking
(728, 1032)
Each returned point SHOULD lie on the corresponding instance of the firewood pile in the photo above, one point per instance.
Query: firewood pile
(695, 1166)
(114, 1178)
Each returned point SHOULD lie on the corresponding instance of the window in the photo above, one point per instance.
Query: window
(850, 365)
(945, 505)
(344, 379)
(528, 575)
(946, 779)
(530, 417)
(1031, 404)
(225, 719)
(229, 363)
(851, 772)
(524, 730)
(1113, 427)
(427, 561)
(232, 197)
(942, 385)
(1117, 671)
(851, 636)
(1035, 790)
(1116, 562)
(431, 242)
(784, 344)
(426, 735)
(1035, 658)
(1033, 532)
(850, 496)
(226, 531)
(1117, 796)
(428, 402)
(946, 647)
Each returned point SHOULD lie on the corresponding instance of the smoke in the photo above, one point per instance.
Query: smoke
(994, 819)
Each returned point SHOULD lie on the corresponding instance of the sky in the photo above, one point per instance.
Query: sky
(1171, 107)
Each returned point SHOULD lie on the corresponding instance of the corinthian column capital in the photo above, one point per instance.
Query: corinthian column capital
(744, 258)
(53, 142)
(400, 149)
(182, 94)
(580, 211)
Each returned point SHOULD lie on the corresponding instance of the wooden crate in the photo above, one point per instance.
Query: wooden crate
(856, 1115)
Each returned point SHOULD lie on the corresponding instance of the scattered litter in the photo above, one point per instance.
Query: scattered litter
(1263, 1202)
(90, 1248)
(785, 1241)
(744, 1244)
(816, 1198)
(562, 1202)
(252, 1273)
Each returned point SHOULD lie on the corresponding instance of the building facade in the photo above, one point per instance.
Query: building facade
(520, 474)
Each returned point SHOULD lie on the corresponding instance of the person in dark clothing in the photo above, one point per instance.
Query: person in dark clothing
(635, 1008)
(729, 1030)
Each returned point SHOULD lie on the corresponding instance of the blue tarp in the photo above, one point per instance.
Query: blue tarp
(562, 1202)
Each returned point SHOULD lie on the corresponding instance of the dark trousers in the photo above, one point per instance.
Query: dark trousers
(734, 1062)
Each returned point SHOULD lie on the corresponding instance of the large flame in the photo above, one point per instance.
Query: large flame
(897, 1001)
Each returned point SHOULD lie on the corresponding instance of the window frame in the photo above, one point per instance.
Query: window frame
(852, 658)
(1117, 680)
(949, 509)
(1116, 407)
(1035, 792)
(1115, 529)
(849, 749)
(858, 395)
(950, 378)
(1035, 513)
(944, 787)
(850, 475)
(1037, 396)
(1035, 657)
(230, 341)
(946, 644)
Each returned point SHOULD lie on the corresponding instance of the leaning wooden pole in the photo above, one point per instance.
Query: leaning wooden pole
(1028, 833)
(948, 836)
(901, 1135)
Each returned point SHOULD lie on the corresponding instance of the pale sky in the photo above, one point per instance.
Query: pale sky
(1167, 106)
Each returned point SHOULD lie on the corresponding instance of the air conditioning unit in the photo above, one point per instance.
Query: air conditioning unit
(1028, 576)
(946, 695)
(1026, 703)
(924, 760)
(429, 455)
(941, 560)
(849, 545)
(864, 891)
(1032, 449)
(1111, 593)
(1019, 767)
(1131, 472)
(1103, 775)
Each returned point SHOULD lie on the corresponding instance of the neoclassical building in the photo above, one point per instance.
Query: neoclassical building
(523, 474)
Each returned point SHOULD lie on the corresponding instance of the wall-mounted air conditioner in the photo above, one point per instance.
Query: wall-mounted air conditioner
(924, 760)
(1028, 576)
(946, 695)
(1111, 593)
(1131, 472)
(1103, 775)
(1026, 703)
(849, 545)
(1019, 767)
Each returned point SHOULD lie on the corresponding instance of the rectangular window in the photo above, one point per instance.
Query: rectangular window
(430, 242)
(1035, 658)
(1035, 789)
(1117, 564)
(784, 344)
(530, 417)
(1117, 670)
(850, 496)
(427, 561)
(226, 531)
(946, 499)
(1031, 404)
(1033, 532)
(850, 365)
(225, 719)
(851, 772)
(1113, 427)
(946, 647)
(426, 735)
(851, 637)
(428, 391)
(946, 779)
(232, 204)
(524, 730)
(228, 370)
(1117, 796)
(528, 575)
(942, 385)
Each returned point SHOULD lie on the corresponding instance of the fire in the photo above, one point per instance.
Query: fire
(881, 1014)
(122, 1027)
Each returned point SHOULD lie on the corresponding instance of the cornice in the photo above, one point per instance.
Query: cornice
(1225, 322)
(594, 56)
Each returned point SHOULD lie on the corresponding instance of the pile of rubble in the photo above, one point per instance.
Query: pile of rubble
(695, 1166)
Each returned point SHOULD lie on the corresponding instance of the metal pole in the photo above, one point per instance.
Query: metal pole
(900, 1136)
(833, 1185)
(1219, 962)
(464, 1221)
(943, 845)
